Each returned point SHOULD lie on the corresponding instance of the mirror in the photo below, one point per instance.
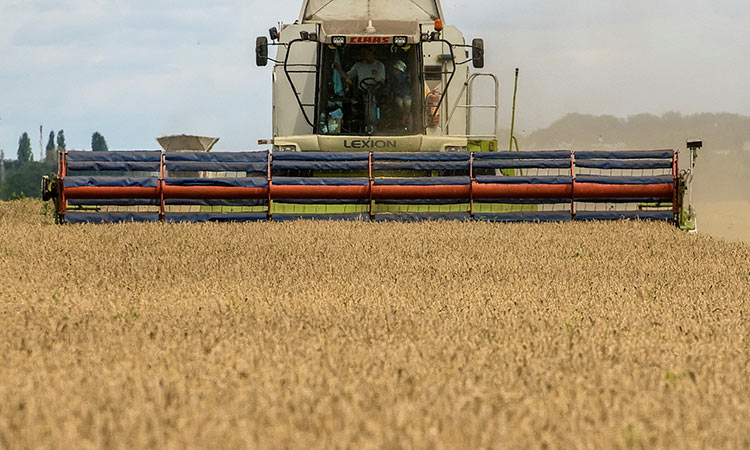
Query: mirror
(261, 51)
(273, 33)
(477, 53)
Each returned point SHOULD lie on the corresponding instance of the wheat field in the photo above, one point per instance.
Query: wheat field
(359, 335)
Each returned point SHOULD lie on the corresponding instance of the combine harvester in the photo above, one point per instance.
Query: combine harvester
(374, 118)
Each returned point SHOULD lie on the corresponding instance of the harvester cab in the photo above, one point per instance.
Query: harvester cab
(374, 118)
(378, 75)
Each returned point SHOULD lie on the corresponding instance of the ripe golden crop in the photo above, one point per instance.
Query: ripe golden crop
(360, 335)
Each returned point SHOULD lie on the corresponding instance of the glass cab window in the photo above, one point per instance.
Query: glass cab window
(369, 90)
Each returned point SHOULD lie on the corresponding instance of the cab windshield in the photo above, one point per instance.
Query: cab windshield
(369, 90)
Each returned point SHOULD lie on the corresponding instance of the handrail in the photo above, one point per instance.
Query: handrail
(288, 73)
(468, 90)
(450, 79)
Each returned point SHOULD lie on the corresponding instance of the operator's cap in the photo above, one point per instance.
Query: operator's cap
(400, 65)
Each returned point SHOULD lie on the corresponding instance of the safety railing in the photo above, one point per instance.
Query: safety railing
(467, 91)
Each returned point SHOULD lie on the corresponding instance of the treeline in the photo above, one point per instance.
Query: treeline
(719, 132)
(22, 177)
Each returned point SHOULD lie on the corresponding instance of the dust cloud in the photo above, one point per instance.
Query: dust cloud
(721, 194)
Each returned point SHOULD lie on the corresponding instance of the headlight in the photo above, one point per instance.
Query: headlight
(338, 41)
(455, 148)
(285, 148)
(400, 41)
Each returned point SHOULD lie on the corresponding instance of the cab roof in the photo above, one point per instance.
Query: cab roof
(376, 10)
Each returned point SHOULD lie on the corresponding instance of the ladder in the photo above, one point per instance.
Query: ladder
(468, 91)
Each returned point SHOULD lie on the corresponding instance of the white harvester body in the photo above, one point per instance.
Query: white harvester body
(306, 97)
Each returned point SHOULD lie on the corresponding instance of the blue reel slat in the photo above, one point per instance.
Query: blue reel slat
(114, 156)
(221, 166)
(217, 156)
(522, 164)
(421, 156)
(611, 164)
(547, 154)
(252, 182)
(423, 181)
(319, 165)
(526, 201)
(214, 202)
(625, 154)
(623, 180)
(309, 181)
(523, 180)
(420, 165)
(321, 156)
(115, 202)
(106, 181)
(118, 166)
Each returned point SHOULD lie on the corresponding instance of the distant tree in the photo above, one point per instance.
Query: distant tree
(24, 148)
(2, 167)
(61, 140)
(50, 146)
(51, 142)
(98, 143)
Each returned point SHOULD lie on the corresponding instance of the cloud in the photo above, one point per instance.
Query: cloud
(132, 67)
(122, 26)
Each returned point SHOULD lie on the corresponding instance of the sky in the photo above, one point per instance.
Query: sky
(135, 69)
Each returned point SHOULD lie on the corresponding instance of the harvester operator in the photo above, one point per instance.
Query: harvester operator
(370, 76)
(367, 69)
